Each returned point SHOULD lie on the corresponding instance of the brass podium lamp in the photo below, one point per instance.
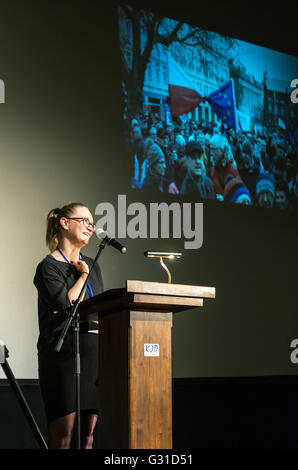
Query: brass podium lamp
(161, 255)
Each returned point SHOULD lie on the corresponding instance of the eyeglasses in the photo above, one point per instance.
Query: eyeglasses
(84, 221)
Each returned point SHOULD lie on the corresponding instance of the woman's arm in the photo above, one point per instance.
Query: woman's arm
(83, 268)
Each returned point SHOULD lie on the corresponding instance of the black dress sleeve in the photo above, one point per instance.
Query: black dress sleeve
(52, 286)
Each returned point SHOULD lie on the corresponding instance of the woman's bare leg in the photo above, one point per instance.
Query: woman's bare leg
(88, 422)
(60, 432)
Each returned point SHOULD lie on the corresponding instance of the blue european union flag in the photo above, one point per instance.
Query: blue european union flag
(223, 103)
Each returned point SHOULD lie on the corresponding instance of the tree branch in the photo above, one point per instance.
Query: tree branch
(171, 37)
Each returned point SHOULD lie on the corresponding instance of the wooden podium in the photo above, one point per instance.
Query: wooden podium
(135, 363)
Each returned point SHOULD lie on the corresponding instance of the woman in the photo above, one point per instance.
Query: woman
(59, 279)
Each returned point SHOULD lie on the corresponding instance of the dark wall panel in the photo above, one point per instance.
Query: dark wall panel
(212, 413)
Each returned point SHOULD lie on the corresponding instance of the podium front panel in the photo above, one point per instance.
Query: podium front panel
(135, 380)
(150, 380)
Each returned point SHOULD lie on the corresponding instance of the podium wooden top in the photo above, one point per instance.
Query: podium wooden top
(154, 296)
(163, 288)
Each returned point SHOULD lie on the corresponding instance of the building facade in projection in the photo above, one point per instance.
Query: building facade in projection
(249, 97)
(276, 101)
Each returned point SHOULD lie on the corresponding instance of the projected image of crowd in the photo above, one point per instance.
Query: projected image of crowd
(207, 115)
(211, 161)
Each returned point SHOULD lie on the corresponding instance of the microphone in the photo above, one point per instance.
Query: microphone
(100, 233)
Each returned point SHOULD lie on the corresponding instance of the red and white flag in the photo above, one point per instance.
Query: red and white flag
(184, 96)
(281, 127)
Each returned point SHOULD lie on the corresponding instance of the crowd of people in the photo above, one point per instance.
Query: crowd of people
(213, 162)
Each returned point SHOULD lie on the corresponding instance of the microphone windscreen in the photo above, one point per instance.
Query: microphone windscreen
(100, 233)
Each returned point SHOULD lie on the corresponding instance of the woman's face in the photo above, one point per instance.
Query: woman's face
(216, 152)
(78, 228)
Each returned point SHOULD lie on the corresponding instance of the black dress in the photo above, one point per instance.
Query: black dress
(53, 279)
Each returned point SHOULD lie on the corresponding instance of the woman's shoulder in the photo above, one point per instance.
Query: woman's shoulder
(49, 265)
(42, 267)
(49, 261)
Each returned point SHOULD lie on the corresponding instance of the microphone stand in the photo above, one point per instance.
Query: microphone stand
(74, 318)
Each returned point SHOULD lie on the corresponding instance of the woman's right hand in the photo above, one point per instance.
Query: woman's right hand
(74, 292)
(81, 266)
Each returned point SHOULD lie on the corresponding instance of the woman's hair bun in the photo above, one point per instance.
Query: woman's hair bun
(57, 211)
